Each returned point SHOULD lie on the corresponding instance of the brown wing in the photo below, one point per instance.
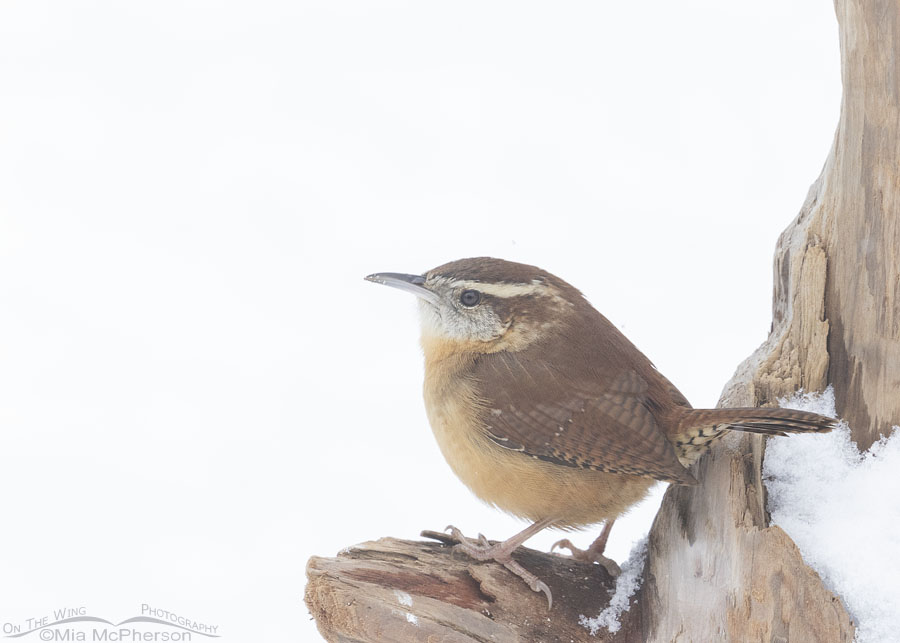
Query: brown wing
(578, 422)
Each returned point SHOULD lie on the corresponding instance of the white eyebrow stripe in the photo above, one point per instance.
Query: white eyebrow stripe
(504, 290)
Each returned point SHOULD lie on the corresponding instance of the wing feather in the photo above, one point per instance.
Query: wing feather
(577, 422)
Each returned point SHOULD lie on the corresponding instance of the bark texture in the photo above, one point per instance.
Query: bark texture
(399, 590)
(859, 224)
(715, 570)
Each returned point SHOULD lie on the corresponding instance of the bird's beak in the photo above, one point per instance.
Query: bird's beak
(410, 283)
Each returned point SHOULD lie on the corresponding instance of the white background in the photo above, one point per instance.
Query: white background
(198, 390)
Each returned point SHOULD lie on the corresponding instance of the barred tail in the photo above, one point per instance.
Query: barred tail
(758, 420)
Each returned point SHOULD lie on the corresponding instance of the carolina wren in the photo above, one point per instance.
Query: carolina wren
(545, 410)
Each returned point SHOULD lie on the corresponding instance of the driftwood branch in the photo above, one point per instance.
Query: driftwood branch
(715, 569)
(400, 590)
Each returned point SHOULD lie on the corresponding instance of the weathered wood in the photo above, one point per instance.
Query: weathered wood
(858, 220)
(716, 572)
(837, 300)
(714, 569)
(400, 590)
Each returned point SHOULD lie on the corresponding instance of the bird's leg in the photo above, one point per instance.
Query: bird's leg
(481, 549)
(594, 553)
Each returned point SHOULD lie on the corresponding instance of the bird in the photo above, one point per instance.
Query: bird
(545, 410)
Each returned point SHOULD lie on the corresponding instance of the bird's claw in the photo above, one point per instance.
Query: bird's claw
(482, 549)
(541, 586)
(454, 532)
(535, 583)
(588, 556)
(565, 543)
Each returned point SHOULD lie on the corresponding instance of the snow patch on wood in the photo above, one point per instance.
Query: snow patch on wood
(842, 508)
(627, 584)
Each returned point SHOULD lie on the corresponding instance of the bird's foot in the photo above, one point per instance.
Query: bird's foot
(589, 555)
(481, 549)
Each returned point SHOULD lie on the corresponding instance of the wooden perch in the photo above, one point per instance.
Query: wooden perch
(715, 569)
(401, 590)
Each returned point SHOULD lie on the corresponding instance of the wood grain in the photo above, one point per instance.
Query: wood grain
(400, 590)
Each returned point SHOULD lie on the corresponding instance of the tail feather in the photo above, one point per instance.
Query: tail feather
(768, 421)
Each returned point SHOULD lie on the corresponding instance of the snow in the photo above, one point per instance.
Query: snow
(842, 508)
(403, 598)
(406, 601)
(628, 582)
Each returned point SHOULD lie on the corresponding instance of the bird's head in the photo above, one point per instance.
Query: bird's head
(485, 305)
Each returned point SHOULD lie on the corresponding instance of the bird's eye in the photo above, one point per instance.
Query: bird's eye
(469, 298)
